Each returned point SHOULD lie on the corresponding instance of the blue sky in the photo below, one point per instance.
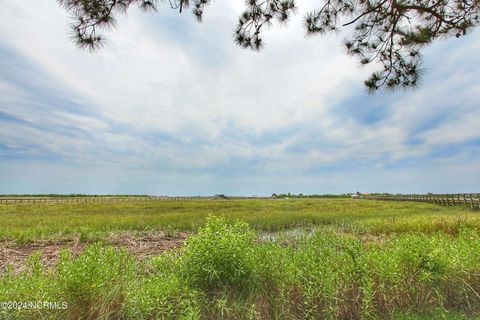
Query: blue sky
(170, 106)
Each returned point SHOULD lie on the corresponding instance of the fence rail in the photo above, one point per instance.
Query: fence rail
(68, 199)
(52, 200)
(469, 200)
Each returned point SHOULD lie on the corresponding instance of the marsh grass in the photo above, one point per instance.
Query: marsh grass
(95, 221)
(223, 272)
(286, 259)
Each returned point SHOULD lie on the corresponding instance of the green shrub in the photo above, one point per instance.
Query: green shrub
(220, 257)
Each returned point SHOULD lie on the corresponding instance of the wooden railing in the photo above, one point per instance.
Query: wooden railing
(68, 199)
(7, 200)
(469, 200)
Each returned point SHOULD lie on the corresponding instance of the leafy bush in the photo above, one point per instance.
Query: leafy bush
(220, 257)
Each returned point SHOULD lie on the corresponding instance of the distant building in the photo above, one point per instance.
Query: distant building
(219, 196)
(360, 195)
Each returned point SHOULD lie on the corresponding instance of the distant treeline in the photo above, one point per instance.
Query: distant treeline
(72, 195)
(300, 195)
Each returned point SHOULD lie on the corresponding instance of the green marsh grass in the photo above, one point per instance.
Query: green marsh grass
(95, 221)
(321, 259)
(224, 273)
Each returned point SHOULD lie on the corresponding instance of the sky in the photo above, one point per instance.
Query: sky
(170, 106)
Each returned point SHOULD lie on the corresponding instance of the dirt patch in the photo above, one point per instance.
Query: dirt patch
(15, 256)
(140, 244)
(147, 244)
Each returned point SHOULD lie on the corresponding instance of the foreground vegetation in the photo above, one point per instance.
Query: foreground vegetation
(223, 272)
(96, 221)
(287, 259)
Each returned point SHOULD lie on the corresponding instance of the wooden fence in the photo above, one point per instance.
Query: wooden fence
(68, 199)
(111, 199)
(469, 200)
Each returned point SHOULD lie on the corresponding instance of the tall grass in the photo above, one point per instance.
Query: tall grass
(224, 273)
(94, 221)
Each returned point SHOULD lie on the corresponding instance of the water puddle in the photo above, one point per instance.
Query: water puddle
(290, 234)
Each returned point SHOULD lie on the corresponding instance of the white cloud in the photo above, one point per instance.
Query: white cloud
(168, 94)
(461, 129)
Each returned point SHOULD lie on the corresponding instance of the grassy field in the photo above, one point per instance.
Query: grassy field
(28, 222)
(344, 259)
